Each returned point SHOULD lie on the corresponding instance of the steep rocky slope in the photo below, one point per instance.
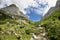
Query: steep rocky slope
(53, 8)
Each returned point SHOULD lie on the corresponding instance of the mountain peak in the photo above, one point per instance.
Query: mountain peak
(13, 5)
(13, 10)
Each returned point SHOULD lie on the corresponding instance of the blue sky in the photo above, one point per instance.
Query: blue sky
(33, 14)
(36, 13)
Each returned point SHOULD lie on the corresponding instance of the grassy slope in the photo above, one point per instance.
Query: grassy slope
(52, 24)
(9, 25)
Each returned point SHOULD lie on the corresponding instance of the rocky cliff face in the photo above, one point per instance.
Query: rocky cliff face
(58, 3)
(12, 10)
(53, 8)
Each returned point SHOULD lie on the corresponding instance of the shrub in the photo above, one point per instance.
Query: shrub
(28, 31)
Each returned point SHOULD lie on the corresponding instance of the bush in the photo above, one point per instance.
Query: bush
(28, 31)
(53, 31)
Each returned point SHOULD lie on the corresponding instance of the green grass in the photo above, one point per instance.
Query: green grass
(7, 23)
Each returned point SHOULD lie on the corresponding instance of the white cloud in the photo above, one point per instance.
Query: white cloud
(22, 4)
(8, 2)
(51, 3)
(4, 3)
(39, 11)
(1, 6)
(46, 10)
